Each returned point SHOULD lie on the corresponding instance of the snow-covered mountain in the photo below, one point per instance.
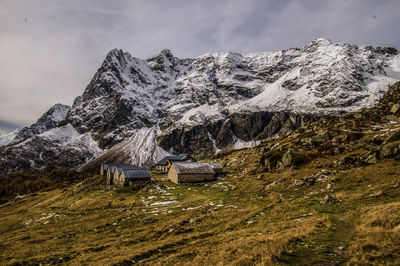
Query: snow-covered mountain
(142, 109)
(49, 120)
(6, 139)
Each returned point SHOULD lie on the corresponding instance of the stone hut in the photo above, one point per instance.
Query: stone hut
(110, 175)
(129, 176)
(162, 165)
(190, 172)
(217, 168)
(103, 169)
(112, 167)
(117, 173)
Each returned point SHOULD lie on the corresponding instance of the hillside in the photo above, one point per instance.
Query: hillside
(325, 194)
(202, 106)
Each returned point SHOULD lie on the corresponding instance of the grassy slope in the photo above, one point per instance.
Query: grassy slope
(250, 216)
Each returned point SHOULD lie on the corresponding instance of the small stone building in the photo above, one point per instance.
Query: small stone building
(217, 168)
(110, 169)
(190, 172)
(116, 175)
(129, 176)
(110, 175)
(162, 165)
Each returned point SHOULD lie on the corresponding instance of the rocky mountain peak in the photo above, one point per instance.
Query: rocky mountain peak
(164, 61)
(322, 42)
(167, 53)
(108, 77)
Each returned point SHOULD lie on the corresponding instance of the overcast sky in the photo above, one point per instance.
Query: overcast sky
(50, 49)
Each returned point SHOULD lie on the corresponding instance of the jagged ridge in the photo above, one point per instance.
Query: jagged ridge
(224, 101)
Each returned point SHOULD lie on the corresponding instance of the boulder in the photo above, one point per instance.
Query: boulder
(372, 157)
(329, 199)
(395, 108)
(288, 159)
(274, 184)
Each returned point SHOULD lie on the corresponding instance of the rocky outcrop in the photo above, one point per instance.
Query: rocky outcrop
(49, 120)
(246, 127)
(61, 147)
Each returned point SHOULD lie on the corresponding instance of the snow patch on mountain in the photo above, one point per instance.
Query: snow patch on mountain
(274, 97)
(6, 139)
(392, 68)
(61, 147)
(49, 120)
(138, 149)
(199, 115)
(240, 144)
(67, 136)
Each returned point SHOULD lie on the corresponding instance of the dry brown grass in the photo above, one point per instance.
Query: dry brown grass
(377, 236)
(111, 227)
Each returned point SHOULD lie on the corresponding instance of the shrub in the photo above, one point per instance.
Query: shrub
(22, 183)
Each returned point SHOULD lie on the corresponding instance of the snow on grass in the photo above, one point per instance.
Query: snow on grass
(163, 203)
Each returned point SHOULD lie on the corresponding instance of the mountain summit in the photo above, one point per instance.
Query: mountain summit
(215, 102)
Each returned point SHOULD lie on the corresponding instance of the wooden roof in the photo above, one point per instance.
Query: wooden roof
(187, 168)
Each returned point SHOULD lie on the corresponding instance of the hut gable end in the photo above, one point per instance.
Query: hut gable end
(115, 172)
(184, 172)
(128, 176)
(164, 164)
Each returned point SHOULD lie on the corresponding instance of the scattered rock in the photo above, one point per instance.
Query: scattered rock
(377, 194)
(148, 220)
(397, 185)
(274, 184)
(372, 157)
(349, 162)
(335, 179)
(194, 220)
(386, 151)
(288, 158)
(305, 181)
(320, 137)
(329, 199)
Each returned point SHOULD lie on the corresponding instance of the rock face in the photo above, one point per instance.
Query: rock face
(218, 102)
(61, 147)
(8, 138)
(234, 132)
(49, 120)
